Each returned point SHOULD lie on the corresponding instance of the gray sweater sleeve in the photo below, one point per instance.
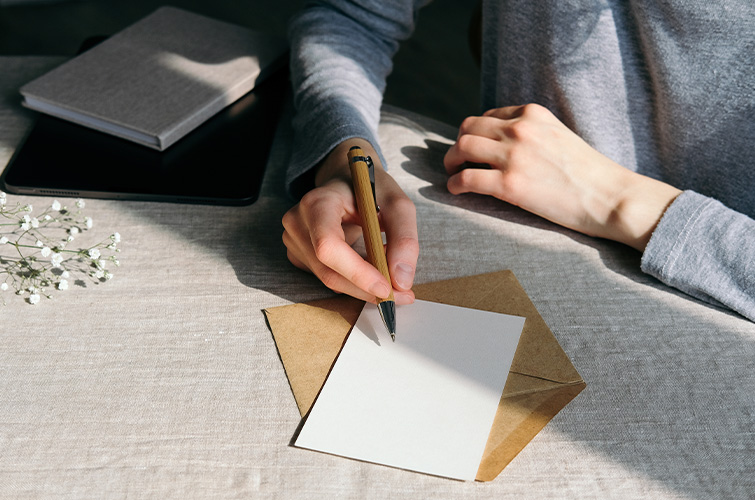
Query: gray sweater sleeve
(706, 250)
(341, 54)
(340, 57)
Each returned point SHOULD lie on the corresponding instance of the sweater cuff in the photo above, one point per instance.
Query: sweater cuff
(705, 249)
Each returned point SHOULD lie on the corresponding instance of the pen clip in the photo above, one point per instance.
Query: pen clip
(371, 171)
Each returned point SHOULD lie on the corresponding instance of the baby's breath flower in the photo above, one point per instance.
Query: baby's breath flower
(56, 259)
(34, 264)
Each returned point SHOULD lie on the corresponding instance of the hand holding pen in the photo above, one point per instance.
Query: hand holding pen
(363, 179)
(321, 228)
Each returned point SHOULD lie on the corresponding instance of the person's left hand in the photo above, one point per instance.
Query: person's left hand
(537, 163)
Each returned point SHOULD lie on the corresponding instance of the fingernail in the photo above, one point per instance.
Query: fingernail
(403, 274)
(379, 289)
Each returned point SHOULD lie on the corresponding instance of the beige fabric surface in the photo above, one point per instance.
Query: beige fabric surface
(165, 382)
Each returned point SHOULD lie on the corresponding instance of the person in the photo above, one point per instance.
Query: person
(630, 120)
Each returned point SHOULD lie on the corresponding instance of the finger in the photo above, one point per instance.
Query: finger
(331, 250)
(473, 180)
(506, 112)
(529, 111)
(403, 297)
(483, 126)
(303, 257)
(474, 149)
(338, 283)
(400, 222)
(295, 260)
(315, 237)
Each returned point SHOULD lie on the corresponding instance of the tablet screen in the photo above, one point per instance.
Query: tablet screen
(220, 162)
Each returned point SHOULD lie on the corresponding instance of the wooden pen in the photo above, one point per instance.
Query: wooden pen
(364, 192)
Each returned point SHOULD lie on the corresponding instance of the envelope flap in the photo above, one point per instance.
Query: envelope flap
(309, 337)
(539, 355)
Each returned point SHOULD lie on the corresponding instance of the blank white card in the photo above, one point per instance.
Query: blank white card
(424, 403)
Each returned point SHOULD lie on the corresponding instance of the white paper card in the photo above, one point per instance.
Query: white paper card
(424, 403)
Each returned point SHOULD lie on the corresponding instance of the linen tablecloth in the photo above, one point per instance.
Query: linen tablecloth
(165, 382)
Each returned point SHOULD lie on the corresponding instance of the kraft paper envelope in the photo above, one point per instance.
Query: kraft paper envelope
(542, 379)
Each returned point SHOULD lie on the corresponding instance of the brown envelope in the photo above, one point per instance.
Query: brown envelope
(541, 381)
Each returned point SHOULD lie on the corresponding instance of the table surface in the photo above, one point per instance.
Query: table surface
(165, 382)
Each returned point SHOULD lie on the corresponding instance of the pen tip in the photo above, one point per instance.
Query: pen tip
(387, 310)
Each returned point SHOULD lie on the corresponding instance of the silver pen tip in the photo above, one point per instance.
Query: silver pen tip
(387, 311)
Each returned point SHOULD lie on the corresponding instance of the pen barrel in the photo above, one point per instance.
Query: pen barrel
(367, 208)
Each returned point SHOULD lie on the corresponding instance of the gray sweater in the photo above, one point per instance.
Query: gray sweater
(666, 89)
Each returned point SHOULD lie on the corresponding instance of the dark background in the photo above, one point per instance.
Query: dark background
(435, 73)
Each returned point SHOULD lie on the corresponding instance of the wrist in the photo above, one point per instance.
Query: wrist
(335, 165)
(640, 205)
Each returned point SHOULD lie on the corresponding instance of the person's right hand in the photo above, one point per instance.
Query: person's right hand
(320, 229)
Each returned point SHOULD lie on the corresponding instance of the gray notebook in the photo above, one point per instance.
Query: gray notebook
(158, 79)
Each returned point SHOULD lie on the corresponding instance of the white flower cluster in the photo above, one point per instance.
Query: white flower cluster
(34, 257)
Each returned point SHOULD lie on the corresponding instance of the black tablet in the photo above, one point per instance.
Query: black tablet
(221, 162)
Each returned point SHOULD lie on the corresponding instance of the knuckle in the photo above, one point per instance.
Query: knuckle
(534, 110)
(312, 199)
(288, 219)
(510, 185)
(465, 177)
(465, 143)
(403, 205)
(324, 248)
(467, 124)
(308, 200)
(519, 130)
(407, 244)
(286, 237)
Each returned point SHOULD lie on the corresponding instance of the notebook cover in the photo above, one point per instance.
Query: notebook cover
(158, 79)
